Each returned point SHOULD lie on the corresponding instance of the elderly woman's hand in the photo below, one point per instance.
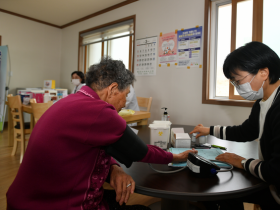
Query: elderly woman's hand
(182, 157)
(231, 158)
(119, 180)
(203, 131)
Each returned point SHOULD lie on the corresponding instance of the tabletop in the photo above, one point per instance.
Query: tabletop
(185, 185)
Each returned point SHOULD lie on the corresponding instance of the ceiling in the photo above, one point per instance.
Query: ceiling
(57, 12)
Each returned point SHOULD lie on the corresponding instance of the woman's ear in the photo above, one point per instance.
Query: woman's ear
(264, 73)
(112, 89)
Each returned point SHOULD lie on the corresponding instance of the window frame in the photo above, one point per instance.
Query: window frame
(83, 50)
(233, 100)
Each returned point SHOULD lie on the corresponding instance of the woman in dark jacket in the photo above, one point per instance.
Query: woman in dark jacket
(254, 70)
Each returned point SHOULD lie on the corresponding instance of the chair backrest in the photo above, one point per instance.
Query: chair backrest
(38, 109)
(145, 102)
(16, 111)
(33, 100)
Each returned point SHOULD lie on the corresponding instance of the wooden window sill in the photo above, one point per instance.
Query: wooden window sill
(228, 102)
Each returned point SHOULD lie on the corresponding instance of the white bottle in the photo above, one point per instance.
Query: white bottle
(47, 96)
(194, 137)
(165, 115)
(202, 139)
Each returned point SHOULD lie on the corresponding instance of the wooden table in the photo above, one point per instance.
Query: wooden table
(138, 116)
(179, 188)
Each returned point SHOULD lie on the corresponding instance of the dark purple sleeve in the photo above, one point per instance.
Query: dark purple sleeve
(114, 162)
(157, 155)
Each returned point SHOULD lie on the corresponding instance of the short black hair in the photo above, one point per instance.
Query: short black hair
(103, 74)
(80, 74)
(251, 58)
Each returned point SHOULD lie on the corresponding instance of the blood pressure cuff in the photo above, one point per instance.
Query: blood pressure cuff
(128, 149)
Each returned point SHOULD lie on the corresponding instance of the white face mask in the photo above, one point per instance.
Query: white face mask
(76, 82)
(246, 92)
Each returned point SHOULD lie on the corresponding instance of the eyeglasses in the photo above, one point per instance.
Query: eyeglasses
(236, 83)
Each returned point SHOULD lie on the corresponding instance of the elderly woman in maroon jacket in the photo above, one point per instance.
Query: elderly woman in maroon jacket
(66, 161)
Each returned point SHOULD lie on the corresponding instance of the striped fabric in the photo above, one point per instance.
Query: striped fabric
(218, 131)
(254, 167)
(251, 165)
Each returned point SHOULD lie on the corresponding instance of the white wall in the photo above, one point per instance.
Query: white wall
(178, 89)
(35, 51)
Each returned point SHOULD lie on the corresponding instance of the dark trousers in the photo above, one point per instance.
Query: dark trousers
(110, 197)
(262, 198)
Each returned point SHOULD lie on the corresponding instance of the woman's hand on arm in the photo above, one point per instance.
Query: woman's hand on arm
(182, 157)
(119, 180)
(231, 158)
(203, 131)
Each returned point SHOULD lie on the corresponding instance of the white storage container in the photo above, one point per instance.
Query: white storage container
(182, 140)
(159, 135)
(167, 123)
(174, 131)
(162, 122)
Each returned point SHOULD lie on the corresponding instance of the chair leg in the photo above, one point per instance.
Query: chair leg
(22, 149)
(14, 147)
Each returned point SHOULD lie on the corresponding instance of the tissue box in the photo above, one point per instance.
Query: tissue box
(49, 84)
(173, 136)
(159, 135)
(182, 140)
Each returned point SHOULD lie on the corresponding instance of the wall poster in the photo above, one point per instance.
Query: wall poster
(167, 49)
(189, 47)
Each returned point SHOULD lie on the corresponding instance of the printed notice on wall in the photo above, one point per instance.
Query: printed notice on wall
(189, 47)
(167, 48)
(146, 53)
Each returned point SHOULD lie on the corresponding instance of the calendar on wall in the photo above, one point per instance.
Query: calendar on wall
(146, 54)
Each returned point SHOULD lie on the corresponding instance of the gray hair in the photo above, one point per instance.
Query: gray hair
(106, 72)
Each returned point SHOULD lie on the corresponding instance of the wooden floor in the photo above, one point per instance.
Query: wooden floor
(9, 166)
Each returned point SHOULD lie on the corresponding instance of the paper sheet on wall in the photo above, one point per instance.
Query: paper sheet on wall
(189, 47)
(146, 53)
(167, 48)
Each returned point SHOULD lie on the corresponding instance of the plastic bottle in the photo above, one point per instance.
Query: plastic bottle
(47, 96)
(194, 137)
(165, 114)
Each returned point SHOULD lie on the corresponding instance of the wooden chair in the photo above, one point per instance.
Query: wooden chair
(257, 207)
(39, 109)
(20, 128)
(144, 103)
(33, 100)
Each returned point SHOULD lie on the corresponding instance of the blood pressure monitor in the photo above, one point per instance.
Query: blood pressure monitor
(201, 166)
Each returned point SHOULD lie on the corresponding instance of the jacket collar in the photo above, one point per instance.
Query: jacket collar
(89, 92)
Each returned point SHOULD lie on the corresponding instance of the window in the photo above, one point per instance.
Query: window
(113, 39)
(229, 24)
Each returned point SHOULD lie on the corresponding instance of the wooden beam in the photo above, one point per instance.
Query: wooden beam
(29, 18)
(100, 12)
